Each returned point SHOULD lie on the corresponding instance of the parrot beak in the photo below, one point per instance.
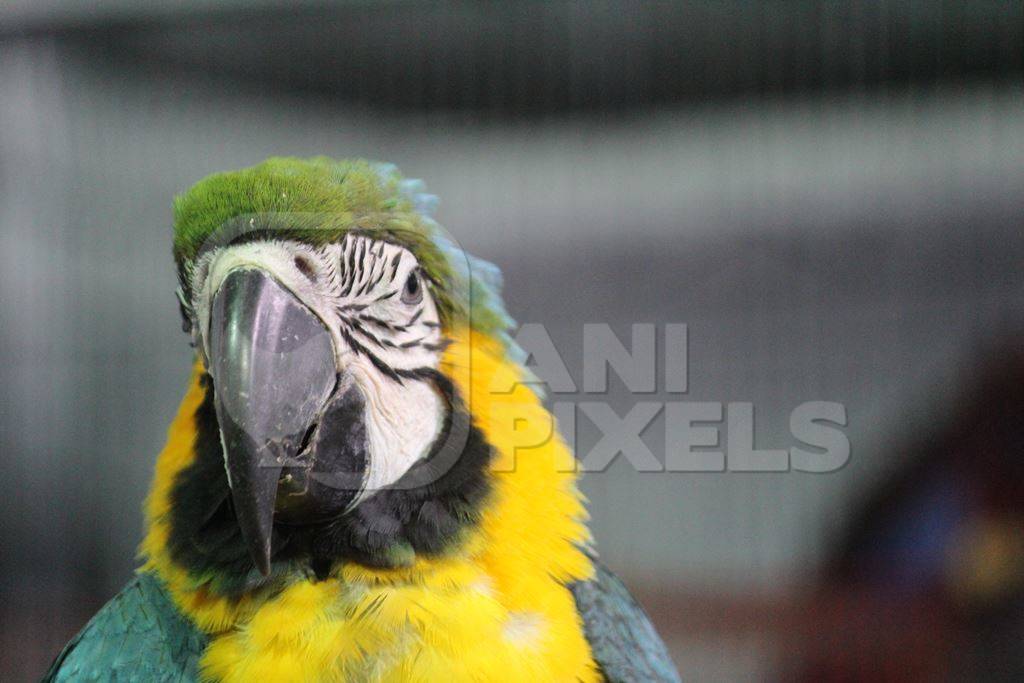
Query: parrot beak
(273, 366)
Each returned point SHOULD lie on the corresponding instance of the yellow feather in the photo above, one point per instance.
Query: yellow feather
(495, 609)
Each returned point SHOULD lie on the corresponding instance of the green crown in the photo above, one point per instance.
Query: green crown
(320, 200)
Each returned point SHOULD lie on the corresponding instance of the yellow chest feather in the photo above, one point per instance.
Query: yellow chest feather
(342, 630)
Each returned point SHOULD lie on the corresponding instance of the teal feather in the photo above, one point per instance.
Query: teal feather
(138, 636)
(622, 639)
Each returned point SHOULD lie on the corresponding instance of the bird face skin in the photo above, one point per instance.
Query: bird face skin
(323, 362)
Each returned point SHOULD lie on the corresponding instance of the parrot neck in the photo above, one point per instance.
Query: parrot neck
(511, 508)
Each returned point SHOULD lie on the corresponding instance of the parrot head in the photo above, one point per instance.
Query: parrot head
(320, 296)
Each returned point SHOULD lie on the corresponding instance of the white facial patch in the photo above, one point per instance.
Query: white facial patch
(384, 322)
(402, 422)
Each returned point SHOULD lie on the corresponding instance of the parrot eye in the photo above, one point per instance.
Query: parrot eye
(412, 292)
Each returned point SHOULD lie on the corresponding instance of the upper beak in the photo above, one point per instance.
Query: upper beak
(273, 366)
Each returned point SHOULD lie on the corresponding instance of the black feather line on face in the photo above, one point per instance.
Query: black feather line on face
(427, 512)
(374, 320)
(438, 347)
(385, 369)
(365, 287)
(377, 267)
(381, 268)
(350, 269)
(373, 339)
(360, 253)
(332, 272)
(411, 344)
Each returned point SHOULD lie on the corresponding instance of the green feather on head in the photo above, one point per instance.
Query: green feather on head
(320, 200)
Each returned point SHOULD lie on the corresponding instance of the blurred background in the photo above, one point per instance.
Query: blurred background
(828, 194)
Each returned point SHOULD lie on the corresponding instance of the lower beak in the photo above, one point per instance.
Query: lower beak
(273, 367)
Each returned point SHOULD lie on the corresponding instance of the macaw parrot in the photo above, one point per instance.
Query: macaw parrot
(362, 482)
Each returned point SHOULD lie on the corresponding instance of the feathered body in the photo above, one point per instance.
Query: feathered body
(482, 574)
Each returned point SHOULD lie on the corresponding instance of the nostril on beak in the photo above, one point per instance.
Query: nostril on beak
(305, 267)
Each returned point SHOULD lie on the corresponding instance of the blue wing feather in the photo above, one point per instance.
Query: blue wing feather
(622, 638)
(138, 636)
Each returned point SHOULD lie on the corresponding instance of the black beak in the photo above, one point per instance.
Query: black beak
(273, 367)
